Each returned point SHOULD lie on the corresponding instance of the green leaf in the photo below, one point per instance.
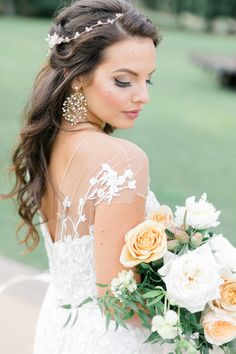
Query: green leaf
(87, 300)
(75, 319)
(119, 321)
(144, 318)
(123, 312)
(67, 307)
(101, 305)
(102, 285)
(169, 233)
(152, 338)
(160, 306)
(151, 294)
(68, 320)
(145, 265)
(109, 302)
(183, 250)
(156, 300)
(158, 263)
(108, 320)
(131, 305)
(117, 325)
(137, 297)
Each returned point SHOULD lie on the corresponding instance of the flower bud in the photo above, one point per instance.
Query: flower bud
(171, 317)
(172, 244)
(196, 240)
(172, 228)
(182, 236)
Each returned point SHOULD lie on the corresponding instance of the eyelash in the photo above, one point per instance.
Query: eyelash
(127, 84)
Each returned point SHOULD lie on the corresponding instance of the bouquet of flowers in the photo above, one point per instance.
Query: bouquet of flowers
(187, 293)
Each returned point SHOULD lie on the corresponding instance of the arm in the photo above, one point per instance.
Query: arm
(111, 224)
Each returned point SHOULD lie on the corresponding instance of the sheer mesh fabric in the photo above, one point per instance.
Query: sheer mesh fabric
(102, 170)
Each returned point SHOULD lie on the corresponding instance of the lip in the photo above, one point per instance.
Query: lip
(132, 114)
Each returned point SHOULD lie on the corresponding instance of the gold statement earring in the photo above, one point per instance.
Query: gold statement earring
(75, 108)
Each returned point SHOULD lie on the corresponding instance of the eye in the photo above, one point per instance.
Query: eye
(122, 83)
(149, 82)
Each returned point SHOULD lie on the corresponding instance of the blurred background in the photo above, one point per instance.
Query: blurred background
(188, 128)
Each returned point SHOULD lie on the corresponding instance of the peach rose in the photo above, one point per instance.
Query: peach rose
(144, 243)
(219, 328)
(163, 215)
(227, 299)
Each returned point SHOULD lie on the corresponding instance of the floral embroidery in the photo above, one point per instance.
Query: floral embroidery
(110, 184)
(103, 187)
(66, 202)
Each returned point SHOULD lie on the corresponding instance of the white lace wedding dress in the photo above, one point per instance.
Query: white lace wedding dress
(114, 171)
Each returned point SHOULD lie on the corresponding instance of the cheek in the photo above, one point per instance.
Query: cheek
(111, 97)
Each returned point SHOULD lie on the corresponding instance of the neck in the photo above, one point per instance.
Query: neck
(95, 123)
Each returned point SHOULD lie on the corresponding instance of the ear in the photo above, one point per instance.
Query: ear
(76, 83)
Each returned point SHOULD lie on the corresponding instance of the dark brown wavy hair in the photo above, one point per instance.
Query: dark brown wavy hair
(42, 116)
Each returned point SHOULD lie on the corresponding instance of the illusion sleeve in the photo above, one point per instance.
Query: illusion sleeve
(122, 173)
(103, 170)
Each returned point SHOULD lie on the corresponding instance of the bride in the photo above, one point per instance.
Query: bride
(88, 187)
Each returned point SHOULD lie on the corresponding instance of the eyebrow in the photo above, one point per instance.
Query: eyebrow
(129, 71)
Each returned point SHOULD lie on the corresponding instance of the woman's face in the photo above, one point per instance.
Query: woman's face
(119, 88)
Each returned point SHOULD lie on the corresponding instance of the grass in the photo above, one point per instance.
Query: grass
(188, 129)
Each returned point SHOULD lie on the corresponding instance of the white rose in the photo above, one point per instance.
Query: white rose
(192, 279)
(224, 252)
(200, 215)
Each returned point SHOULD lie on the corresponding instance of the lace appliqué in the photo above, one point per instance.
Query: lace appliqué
(103, 187)
(107, 184)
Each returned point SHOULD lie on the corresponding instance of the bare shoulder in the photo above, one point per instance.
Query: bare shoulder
(107, 145)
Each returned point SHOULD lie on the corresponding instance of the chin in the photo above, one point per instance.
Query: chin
(124, 124)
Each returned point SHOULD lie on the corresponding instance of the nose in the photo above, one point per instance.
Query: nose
(141, 95)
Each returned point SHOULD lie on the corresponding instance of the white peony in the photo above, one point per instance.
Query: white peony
(224, 252)
(193, 279)
(125, 280)
(200, 215)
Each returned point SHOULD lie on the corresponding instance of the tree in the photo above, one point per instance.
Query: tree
(44, 8)
(206, 8)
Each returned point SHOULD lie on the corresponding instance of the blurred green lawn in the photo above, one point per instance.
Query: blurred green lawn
(188, 129)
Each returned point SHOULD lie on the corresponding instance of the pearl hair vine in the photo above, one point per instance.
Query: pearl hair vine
(55, 39)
